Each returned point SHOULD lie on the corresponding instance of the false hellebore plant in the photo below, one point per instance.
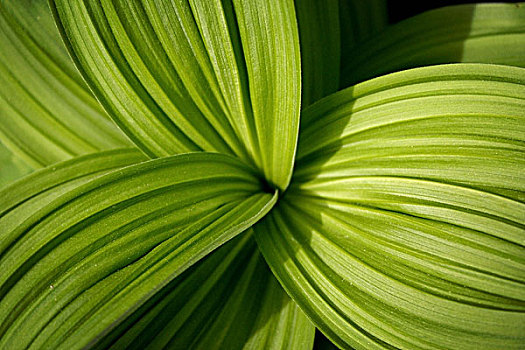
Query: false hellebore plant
(241, 200)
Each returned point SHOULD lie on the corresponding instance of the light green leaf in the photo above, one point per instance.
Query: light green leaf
(404, 226)
(456, 123)
(229, 300)
(48, 113)
(477, 33)
(96, 253)
(11, 167)
(198, 75)
(43, 186)
(270, 39)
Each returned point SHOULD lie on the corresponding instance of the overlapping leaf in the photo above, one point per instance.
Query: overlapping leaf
(404, 226)
(229, 300)
(476, 33)
(328, 32)
(97, 251)
(180, 76)
(47, 113)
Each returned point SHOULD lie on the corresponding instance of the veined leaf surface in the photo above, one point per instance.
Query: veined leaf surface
(48, 113)
(98, 251)
(405, 226)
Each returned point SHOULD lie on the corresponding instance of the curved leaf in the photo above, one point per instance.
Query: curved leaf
(229, 300)
(98, 251)
(48, 114)
(476, 33)
(404, 225)
(194, 75)
(49, 183)
(444, 122)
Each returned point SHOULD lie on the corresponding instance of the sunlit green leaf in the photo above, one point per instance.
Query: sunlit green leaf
(183, 76)
(401, 226)
(477, 33)
(405, 223)
(85, 260)
(47, 113)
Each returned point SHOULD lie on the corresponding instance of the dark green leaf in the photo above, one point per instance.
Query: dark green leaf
(359, 20)
(229, 300)
(476, 33)
(319, 34)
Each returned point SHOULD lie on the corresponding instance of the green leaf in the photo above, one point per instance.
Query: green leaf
(11, 167)
(228, 300)
(319, 35)
(359, 20)
(183, 76)
(97, 252)
(45, 185)
(476, 33)
(404, 224)
(270, 40)
(48, 113)
(443, 122)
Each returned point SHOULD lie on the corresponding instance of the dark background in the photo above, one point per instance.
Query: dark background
(402, 9)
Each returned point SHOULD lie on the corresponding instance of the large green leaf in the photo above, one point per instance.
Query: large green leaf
(82, 262)
(194, 75)
(477, 33)
(47, 113)
(230, 300)
(444, 122)
(404, 225)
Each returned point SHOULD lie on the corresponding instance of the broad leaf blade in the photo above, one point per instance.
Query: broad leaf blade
(48, 113)
(228, 300)
(404, 224)
(444, 122)
(96, 253)
(476, 33)
(184, 76)
(364, 286)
